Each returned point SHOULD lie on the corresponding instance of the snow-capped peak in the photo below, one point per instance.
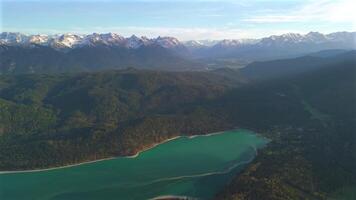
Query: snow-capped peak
(280, 39)
(234, 43)
(228, 43)
(10, 37)
(315, 37)
(134, 42)
(66, 40)
(194, 44)
(38, 39)
(168, 42)
(106, 39)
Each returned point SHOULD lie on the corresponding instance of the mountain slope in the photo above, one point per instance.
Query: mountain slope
(277, 47)
(21, 53)
(315, 159)
(309, 117)
(69, 41)
(63, 119)
(42, 59)
(288, 67)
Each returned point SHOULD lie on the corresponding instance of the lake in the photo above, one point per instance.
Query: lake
(196, 166)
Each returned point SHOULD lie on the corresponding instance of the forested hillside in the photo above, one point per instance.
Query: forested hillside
(309, 115)
(289, 67)
(69, 118)
(43, 59)
(315, 159)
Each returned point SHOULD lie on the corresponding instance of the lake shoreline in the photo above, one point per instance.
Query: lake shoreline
(212, 159)
(111, 158)
(173, 197)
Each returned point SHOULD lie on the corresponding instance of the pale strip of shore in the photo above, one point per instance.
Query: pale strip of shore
(228, 170)
(109, 158)
(53, 168)
(173, 197)
(88, 162)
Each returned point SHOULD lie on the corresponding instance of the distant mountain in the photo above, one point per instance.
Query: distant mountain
(65, 41)
(200, 43)
(44, 59)
(274, 47)
(193, 44)
(327, 94)
(328, 53)
(20, 53)
(314, 40)
(289, 67)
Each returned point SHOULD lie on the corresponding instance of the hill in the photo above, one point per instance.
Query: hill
(43, 59)
(308, 113)
(69, 118)
(315, 159)
(288, 67)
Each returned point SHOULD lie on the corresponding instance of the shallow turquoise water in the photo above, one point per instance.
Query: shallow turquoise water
(197, 167)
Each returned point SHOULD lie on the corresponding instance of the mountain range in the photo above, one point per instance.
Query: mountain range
(69, 40)
(21, 53)
(304, 105)
(275, 46)
(72, 41)
(283, 68)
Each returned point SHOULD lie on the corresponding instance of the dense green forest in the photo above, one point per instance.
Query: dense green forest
(313, 159)
(44, 59)
(310, 117)
(69, 118)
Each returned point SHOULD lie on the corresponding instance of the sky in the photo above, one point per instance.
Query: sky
(183, 19)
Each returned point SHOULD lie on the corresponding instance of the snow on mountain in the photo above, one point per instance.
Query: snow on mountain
(235, 43)
(13, 38)
(193, 44)
(68, 40)
(65, 41)
(275, 40)
(342, 37)
(73, 40)
(315, 37)
(228, 43)
(105, 39)
(249, 41)
(200, 43)
(289, 37)
(135, 42)
(38, 39)
(208, 43)
(168, 42)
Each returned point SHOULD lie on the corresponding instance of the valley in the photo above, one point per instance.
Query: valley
(177, 100)
(68, 118)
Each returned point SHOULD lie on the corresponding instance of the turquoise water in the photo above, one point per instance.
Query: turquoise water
(196, 167)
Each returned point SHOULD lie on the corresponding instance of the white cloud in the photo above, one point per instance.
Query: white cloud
(316, 11)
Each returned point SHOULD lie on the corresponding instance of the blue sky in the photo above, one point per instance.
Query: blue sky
(194, 19)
